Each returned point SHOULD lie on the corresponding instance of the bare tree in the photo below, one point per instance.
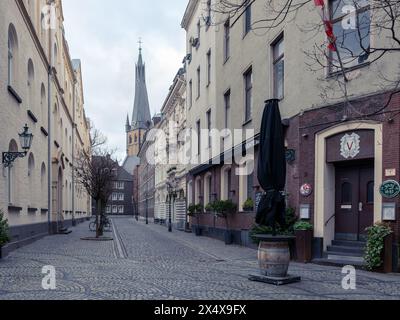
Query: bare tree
(95, 171)
(352, 23)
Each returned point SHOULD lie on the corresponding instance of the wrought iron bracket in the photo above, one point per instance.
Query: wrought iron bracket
(10, 157)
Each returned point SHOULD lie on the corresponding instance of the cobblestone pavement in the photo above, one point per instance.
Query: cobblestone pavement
(147, 262)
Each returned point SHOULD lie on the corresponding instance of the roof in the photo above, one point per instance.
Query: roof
(141, 117)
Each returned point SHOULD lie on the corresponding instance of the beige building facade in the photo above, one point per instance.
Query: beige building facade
(172, 126)
(42, 87)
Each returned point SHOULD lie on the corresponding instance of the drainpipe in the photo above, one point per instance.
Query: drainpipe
(49, 130)
(73, 151)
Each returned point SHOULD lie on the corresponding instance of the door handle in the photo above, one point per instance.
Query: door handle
(360, 207)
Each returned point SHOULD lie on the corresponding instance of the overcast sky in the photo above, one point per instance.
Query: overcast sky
(105, 35)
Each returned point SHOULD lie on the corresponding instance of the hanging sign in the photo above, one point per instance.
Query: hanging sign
(306, 190)
(390, 189)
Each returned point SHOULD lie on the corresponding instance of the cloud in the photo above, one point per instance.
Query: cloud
(104, 36)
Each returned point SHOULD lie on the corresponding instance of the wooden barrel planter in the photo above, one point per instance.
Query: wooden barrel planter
(274, 255)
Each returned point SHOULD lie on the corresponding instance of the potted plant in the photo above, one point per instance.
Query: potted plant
(4, 238)
(223, 209)
(194, 211)
(248, 206)
(304, 233)
(378, 255)
(209, 208)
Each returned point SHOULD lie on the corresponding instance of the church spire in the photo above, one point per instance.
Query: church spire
(141, 117)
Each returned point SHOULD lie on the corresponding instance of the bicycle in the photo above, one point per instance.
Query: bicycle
(105, 222)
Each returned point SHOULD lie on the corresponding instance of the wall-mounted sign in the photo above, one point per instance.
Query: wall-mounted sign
(350, 146)
(390, 189)
(390, 172)
(305, 212)
(306, 190)
(389, 212)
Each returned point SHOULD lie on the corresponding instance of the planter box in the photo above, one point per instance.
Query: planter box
(197, 231)
(387, 254)
(228, 236)
(304, 245)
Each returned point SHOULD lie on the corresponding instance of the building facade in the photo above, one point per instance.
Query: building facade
(337, 139)
(121, 200)
(173, 126)
(43, 89)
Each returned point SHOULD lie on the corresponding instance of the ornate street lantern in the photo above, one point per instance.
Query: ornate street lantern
(25, 139)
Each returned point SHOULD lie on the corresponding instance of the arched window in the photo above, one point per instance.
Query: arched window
(43, 185)
(12, 55)
(12, 175)
(31, 165)
(43, 102)
(31, 84)
(55, 55)
(31, 178)
(208, 189)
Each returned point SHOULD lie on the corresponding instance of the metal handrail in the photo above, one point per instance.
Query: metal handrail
(333, 216)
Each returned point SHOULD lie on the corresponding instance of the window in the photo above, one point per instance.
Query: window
(209, 189)
(227, 39)
(209, 127)
(353, 43)
(31, 83)
(279, 68)
(114, 209)
(208, 18)
(248, 88)
(198, 31)
(208, 67)
(12, 55)
(43, 102)
(250, 186)
(198, 82)
(347, 193)
(120, 209)
(247, 19)
(227, 102)
(370, 192)
(190, 93)
(108, 209)
(121, 197)
(198, 129)
(114, 197)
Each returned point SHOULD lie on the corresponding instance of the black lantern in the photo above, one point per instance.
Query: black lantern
(25, 139)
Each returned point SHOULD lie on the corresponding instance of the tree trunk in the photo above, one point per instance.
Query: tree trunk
(99, 229)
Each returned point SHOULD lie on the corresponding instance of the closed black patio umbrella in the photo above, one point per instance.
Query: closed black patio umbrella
(272, 168)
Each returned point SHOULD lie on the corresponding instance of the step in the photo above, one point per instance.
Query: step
(339, 263)
(354, 250)
(346, 243)
(345, 257)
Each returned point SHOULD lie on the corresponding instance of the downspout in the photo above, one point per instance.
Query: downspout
(73, 151)
(49, 138)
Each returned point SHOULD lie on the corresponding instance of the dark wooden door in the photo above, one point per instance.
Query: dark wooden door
(354, 201)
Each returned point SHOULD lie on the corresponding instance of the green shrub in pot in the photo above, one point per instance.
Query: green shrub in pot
(376, 244)
(303, 226)
(4, 238)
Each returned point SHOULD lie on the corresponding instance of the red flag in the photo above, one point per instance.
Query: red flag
(319, 3)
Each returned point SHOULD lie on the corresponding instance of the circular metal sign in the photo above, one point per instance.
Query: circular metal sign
(390, 189)
(306, 190)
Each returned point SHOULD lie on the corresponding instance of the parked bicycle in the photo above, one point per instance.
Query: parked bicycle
(104, 220)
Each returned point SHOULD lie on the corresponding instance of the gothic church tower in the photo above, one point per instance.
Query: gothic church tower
(141, 118)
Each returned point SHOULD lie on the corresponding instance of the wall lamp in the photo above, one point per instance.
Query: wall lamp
(25, 139)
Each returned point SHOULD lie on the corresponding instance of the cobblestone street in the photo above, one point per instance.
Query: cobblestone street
(146, 262)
